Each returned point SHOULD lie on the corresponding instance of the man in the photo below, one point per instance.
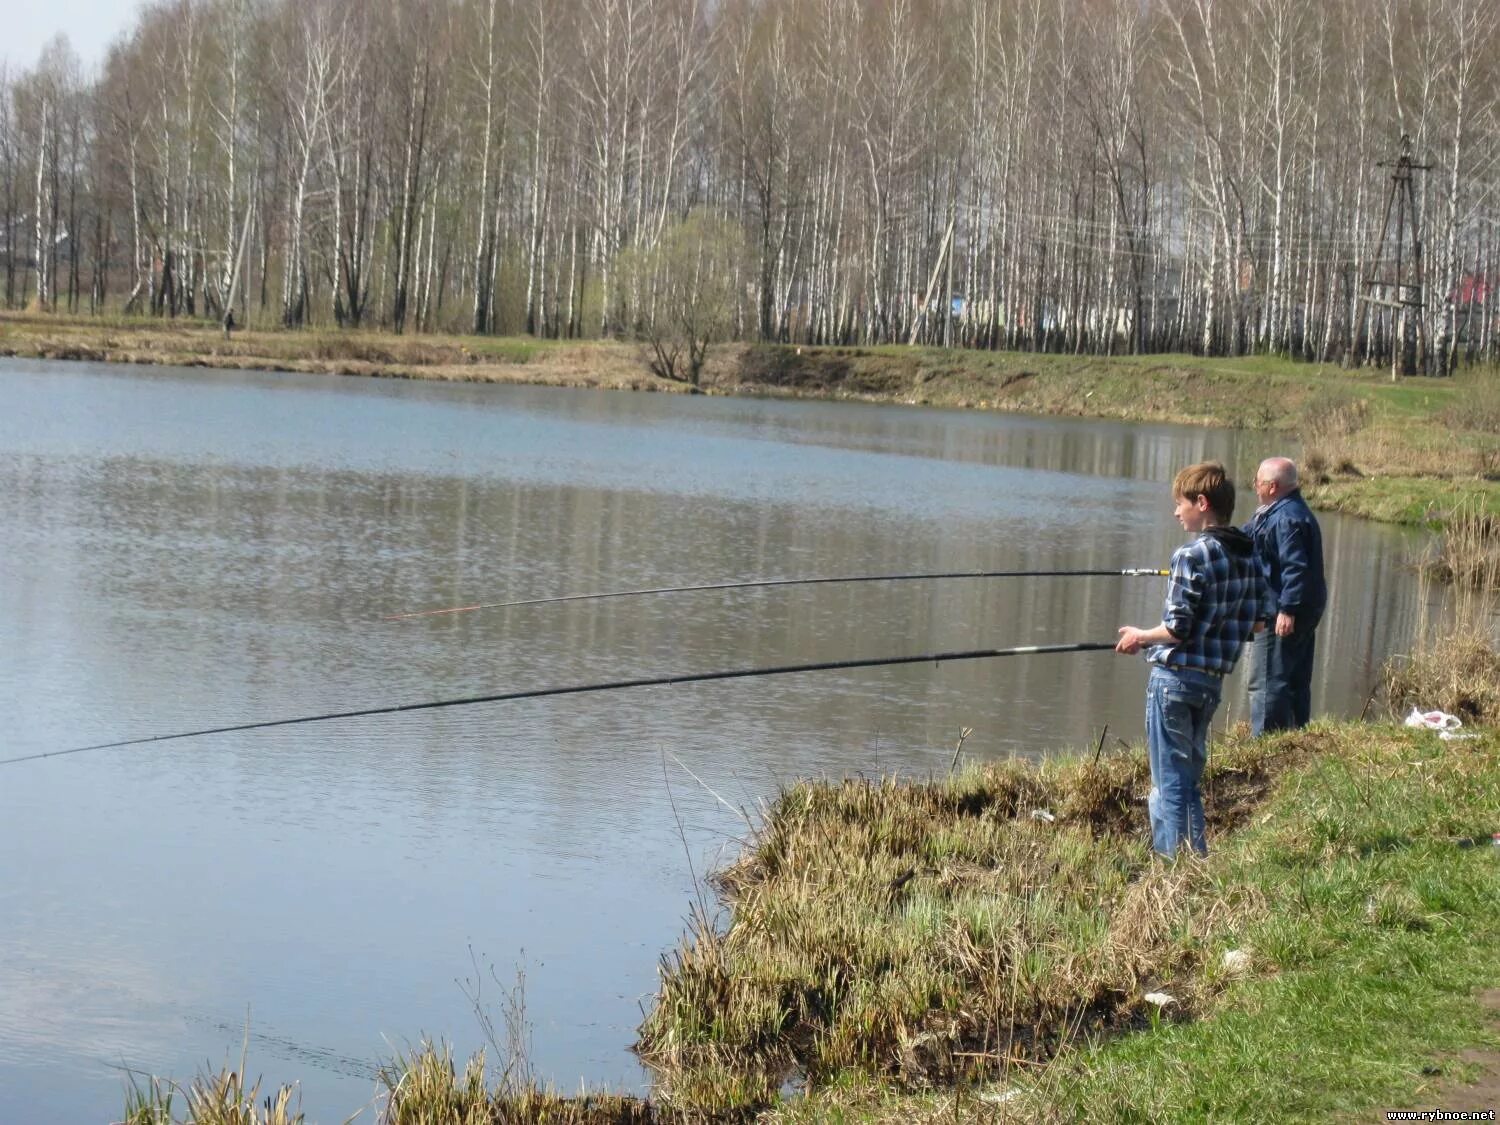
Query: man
(1289, 549)
(1213, 603)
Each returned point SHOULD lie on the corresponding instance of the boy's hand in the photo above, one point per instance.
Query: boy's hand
(1130, 640)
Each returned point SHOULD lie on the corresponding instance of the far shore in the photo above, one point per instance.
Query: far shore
(1411, 452)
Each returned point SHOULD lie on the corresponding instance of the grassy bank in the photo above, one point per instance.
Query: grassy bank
(887, 938)
(1365, 917)
(999, 945)
(1409, 452)
(184, 343)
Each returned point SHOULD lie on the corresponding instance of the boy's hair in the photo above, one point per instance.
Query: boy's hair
(1207, 478)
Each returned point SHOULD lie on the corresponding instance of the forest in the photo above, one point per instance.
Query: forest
(1319, 180)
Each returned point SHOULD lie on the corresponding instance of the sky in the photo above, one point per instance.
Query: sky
(90, 25)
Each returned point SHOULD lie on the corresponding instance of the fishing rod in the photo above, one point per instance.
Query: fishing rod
(578, 689)
(1131, 572)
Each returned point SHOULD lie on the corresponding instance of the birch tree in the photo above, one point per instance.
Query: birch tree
(1185, 174)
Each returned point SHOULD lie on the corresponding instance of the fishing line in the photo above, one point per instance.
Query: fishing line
(577, 689)
(1132, 572)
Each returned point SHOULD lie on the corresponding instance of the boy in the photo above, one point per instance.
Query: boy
(1212, 608)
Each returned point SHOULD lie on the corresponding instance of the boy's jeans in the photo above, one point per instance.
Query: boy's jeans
(1180, 703)
(1281, 671)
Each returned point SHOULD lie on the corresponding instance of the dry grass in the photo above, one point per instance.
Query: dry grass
(1388, 448)
(1467, 553)
(1454, 665)
(423, 1087)
(1446, 432)
(1329, 421)
(1457, 672)
(942, 932)
(1478, 404)
(225, 1097)
(185, 343)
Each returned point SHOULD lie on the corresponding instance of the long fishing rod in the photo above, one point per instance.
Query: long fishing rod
(578, 689)
(1131, 572)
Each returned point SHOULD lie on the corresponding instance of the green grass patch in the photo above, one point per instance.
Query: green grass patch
(1415, 501)
(1373, 929)
(1377, 935)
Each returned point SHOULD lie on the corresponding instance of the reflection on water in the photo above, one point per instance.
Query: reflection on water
(188, 550)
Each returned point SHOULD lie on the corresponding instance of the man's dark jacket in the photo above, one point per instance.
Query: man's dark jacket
(1289, 547)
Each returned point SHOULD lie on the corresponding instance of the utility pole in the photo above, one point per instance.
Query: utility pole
(921, 318)
(1401, 295)
(234, 269)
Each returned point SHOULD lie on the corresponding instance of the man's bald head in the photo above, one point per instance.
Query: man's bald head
(1282, 471)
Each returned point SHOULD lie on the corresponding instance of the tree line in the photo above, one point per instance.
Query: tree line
(1085, 176)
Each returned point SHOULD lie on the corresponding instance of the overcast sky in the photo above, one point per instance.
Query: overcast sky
(90, 25)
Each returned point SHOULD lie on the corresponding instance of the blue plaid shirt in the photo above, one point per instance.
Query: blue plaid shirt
(1214, 598)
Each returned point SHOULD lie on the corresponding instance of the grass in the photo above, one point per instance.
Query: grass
(423, 1087)
(1414, 501)
(213, 1098)
(1467, 553)
(1376, 935)
(1368, 924)
(989, 944)
(939, 933)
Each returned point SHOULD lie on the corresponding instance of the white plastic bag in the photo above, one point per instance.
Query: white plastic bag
(1433, 720)
(1445, 724)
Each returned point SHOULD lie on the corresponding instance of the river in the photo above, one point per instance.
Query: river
(187, 549)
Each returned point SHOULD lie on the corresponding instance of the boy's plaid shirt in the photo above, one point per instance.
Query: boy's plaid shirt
(1213, 601)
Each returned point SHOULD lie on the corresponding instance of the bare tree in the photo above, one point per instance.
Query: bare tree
(1180, 174)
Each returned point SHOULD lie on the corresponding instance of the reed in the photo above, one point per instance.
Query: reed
(1476, 405)
(423, 1086)
(222, 1097)
(1453, 665)
(1330, 419)
(148, 1103)
(1467, 553)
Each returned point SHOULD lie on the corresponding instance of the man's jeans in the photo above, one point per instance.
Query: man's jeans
(1180, 703)
(1281, 679)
